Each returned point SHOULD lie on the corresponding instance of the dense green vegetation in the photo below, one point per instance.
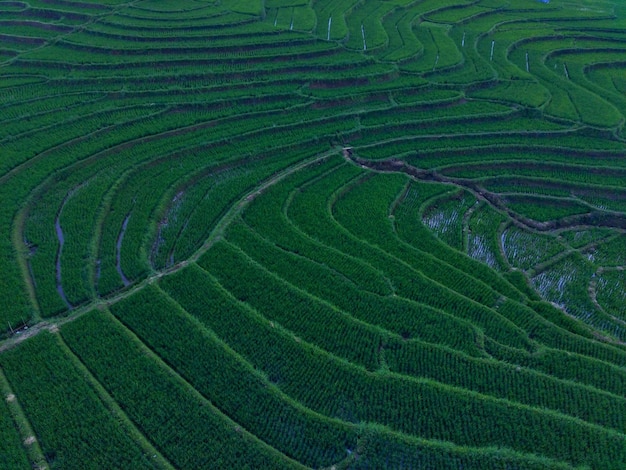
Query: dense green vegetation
(345, 234)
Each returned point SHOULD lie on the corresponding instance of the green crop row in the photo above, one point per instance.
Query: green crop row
(390, 451)
(534, 153)
(78, 54)
(323, 67)
(525, 249)
(420, 360)
(235, 387)
(476, 127)
(419, 407)
(403, 43)
(72, 425)
(376, 80)
(208, 43)
(611, 253)
(289, 306)
(168, 10)
(10, 83)
(522, 316)
(439, 50)
(12, 7)
(587, 173)
(374, 198)
(88, 6)
(609, 292)
(564, 364)
(331, 18)
(474, 68)
(218, 21)
(189, 219)
(152, 30)
(12, 454)
(183, 425)
(525, 93)
(482, 244)
(604, 200)
(538, 186)
(550, 326)
(265, 215)
(446, 217)
(14, 152)
(409, 282)
(565, 282)
(545, 209)
(248, 333)
(397, 315)
(35, 237)
(408, 225)
(20, 117)
(457, 13)
(507, 381)
(427, 96)
(30, 31)
(406, 115)
(579, 237)
(365, 29)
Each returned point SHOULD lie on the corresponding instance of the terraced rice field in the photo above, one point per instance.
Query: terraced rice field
(348, 234)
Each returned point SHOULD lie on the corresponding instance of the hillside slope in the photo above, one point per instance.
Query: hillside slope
(313, 234)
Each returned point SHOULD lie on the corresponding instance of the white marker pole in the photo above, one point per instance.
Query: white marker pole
(363, 34)
(493, 43)
(330, 20)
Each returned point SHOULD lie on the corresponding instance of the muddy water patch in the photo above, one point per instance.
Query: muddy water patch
(169, 217)
(61, 238)
(118, 251)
